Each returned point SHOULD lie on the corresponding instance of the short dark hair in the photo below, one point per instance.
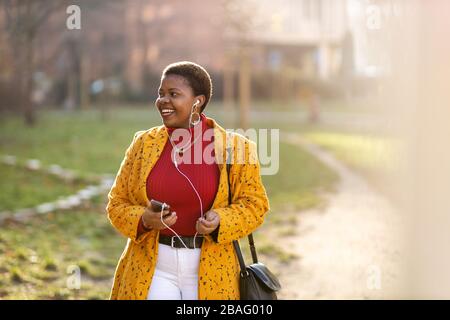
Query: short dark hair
(197, 77)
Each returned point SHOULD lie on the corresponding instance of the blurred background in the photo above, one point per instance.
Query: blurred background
(357, 88)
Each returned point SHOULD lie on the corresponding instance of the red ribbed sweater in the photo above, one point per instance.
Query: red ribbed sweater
(166, 184)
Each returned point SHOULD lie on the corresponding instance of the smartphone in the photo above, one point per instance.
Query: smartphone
(157, 206)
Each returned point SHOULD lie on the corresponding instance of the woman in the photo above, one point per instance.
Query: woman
(184, 252)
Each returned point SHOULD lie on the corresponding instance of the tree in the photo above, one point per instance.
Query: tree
(23, 19)
(239, 17)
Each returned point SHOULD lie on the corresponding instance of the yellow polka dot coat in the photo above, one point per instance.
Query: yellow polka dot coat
(219, 269)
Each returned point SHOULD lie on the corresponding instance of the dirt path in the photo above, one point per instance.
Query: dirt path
(350, 250)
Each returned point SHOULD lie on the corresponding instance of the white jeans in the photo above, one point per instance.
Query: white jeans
(176, 274)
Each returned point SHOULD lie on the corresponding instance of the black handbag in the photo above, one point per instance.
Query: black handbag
(256, 282)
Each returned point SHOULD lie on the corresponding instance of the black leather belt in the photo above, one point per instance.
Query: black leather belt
(175, 242)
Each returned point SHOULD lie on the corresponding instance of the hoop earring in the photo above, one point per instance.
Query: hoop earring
(194, 123)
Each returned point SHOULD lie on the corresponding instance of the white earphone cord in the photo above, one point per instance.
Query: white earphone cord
(163, 207)
(195, 190)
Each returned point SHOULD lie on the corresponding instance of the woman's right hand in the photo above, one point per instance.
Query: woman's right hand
(152, 219)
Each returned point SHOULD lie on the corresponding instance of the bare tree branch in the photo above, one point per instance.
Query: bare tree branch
(47, 12)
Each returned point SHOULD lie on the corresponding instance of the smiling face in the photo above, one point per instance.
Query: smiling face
(175, 101)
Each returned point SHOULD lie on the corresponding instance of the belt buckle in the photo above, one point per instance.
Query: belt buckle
(171, 241)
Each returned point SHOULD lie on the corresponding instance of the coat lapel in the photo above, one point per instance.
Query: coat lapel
(220, 143)
(151, 151)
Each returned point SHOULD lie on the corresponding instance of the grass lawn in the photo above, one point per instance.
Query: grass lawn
(374, 157)
(35, 256)
(81, 141)
(363, 151)
(22, 188)
(300, 181)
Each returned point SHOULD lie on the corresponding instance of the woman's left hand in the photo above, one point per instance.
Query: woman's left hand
(208, 225)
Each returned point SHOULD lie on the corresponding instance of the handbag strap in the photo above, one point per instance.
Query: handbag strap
(251, 241)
